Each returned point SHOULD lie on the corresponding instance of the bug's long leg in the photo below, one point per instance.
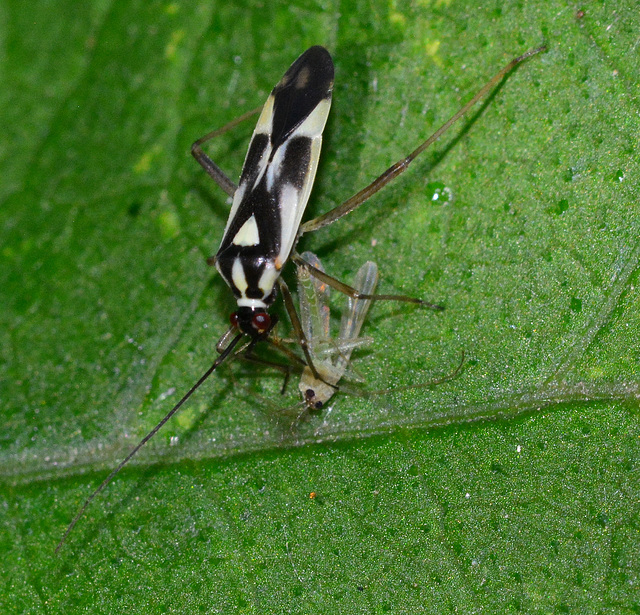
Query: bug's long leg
(227, 352)
(214, 171)
(356, 294)
(399, 167)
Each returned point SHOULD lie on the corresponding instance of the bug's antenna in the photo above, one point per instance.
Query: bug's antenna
(227, 351)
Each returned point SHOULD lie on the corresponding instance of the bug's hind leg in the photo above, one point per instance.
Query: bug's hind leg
(401, 166)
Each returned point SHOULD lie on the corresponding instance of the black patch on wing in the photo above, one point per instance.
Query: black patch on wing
(251, 167)
(265, 206)
(262, 204)
(308, 81)
(295, 165)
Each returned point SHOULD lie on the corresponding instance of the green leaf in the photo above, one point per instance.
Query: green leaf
(110, 313)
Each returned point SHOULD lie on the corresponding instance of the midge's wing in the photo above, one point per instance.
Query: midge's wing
(315, 314)
(366, 281)
(279, 171)
(331, 357)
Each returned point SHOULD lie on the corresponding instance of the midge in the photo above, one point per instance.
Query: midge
(267, 208)
(331, 357)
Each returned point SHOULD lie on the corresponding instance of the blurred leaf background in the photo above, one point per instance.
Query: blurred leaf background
(109, 312)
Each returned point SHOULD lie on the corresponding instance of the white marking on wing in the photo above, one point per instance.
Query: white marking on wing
(248, 234)
(265, 121)
(290, 214)
(238, 277)
(311, 128)
(263, 164)
(268, 279)
(294, 202)
(240, 192)
(314, 123)
(274, 167)
(302, 78)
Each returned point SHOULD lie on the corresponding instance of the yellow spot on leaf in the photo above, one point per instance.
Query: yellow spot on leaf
(397, 19)
(187, 419)
(174, 42)
(169, 224)
(146, 160)
(432, 51)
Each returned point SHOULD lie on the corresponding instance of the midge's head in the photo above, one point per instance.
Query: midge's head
(253, 321)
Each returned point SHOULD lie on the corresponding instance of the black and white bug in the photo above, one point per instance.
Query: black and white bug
(268, 203)
(274, 188)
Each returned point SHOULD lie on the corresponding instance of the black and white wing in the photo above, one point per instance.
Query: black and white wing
(276, 180)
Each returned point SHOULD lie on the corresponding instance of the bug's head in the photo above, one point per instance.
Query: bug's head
(253, 321)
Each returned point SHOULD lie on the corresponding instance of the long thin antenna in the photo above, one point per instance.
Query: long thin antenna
(227, 351)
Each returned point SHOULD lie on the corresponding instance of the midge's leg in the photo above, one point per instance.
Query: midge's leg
(409, 387)
(399, 167)
(353, 292)
(286, 369)
(214, 171)
(364, 393)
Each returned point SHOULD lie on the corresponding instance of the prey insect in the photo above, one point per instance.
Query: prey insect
(331, 357)
(264, 223)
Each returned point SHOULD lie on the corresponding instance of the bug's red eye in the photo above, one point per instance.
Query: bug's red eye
(234, 319)
(261, 322)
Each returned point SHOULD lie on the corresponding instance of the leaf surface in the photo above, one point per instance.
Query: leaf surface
(110, 312)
